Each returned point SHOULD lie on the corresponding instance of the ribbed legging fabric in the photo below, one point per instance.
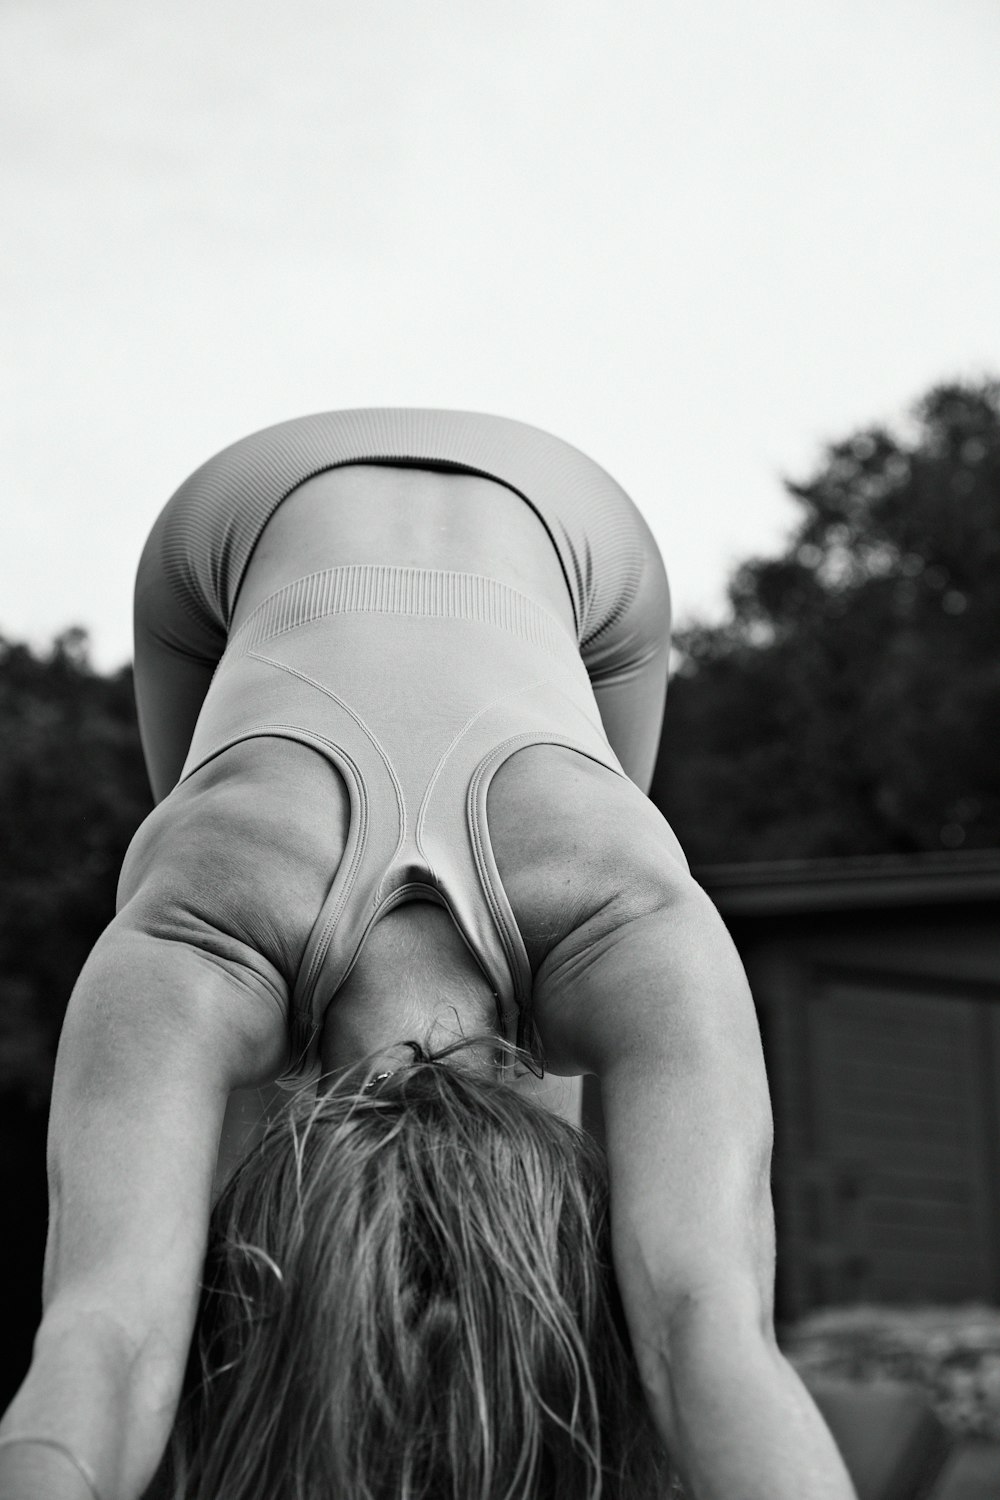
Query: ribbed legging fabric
(202, 542)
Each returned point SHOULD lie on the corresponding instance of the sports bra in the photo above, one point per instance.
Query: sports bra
(416, 684)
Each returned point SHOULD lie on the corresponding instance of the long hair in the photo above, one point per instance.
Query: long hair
(408, 1295)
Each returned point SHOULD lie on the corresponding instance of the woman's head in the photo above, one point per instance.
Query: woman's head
(409, 1296)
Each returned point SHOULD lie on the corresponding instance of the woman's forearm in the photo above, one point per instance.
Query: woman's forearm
(737, 1419)
(131, 1172)
(104, 1406)
(157, 1034)
(43, 1470)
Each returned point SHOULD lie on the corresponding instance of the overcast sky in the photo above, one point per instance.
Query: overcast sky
(697, 240)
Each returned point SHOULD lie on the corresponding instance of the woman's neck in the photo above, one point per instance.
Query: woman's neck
(414, 980)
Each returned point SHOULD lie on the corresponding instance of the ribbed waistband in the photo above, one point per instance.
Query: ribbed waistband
(370, 588)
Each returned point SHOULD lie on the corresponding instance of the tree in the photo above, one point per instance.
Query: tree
(73, 790)
(850, 704)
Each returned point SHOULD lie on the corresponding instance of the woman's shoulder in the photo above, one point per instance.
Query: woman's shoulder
(248, 844)
(572, 837)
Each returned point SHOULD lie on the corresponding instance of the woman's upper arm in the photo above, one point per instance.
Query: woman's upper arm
(650, 995)
(156, 1034)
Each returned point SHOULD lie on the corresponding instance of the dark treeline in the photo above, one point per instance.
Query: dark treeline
(72, 792)
(849, 704)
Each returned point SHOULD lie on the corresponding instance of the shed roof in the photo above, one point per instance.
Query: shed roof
(789, 886)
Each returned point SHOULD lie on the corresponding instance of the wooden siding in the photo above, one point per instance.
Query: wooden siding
(901, 1104)
(880, 1013)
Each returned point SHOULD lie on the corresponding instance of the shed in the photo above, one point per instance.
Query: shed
(877, 984)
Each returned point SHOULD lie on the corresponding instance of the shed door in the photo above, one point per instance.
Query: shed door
(903, 1090)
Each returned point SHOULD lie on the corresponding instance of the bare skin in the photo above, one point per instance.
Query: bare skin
(183, 1005)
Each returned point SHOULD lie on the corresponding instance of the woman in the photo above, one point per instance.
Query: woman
(400, 677)
(409, 1293)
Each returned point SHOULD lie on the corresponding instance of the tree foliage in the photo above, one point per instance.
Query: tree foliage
(850, 703)
(72, 792)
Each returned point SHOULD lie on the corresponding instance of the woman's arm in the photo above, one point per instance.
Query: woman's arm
(159, 1029)
(649, 994)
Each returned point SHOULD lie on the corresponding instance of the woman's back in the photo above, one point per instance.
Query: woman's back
(408, 518)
